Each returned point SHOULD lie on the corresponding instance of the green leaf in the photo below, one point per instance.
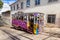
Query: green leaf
(1, 4)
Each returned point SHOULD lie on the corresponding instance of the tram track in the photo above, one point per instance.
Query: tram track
(52, 35)
(17, 36)
(11, 36)
(14, 37)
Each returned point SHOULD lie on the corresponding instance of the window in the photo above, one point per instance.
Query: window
(14, 7)
(52, 0)
(11, 8)
(17, 6)
(27, 3)
(51, 18)
(37, 2)
(21, 5)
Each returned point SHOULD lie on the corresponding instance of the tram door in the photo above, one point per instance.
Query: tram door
(36, 23)
(31, 21)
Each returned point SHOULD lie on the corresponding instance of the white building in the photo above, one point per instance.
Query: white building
(51, 9)
(5, 14)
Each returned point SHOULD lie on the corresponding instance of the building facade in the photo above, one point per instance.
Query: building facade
(50, 8)
(6, 17)
(5, 14)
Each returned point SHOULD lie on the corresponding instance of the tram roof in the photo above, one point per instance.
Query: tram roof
(29, 12)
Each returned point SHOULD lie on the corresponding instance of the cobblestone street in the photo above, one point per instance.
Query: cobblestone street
(8, 33)
(29, 19)
(12, 34)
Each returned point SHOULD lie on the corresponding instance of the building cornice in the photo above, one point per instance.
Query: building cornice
(14, 2)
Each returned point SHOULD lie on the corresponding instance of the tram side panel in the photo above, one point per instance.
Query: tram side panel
(34, 26)
(19, 23)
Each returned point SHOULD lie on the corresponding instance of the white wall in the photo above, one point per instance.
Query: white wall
(45, 7)
(48, 9)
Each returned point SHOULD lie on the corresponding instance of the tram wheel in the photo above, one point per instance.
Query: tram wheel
(22, 28)
(14, 27)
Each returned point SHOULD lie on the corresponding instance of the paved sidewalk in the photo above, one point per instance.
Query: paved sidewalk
(52, 30)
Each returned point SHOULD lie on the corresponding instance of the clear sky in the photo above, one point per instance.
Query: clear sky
(8, 1)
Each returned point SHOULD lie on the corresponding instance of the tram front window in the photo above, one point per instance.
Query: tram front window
(31, 20)
(17, 18)
(21, 18)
